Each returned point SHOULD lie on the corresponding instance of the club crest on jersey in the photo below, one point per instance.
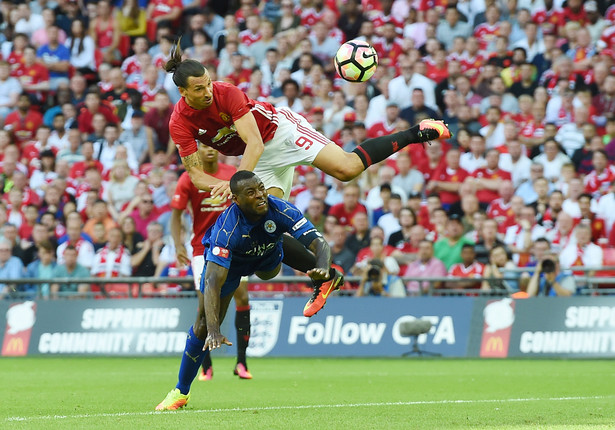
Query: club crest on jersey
(220, 252)
(224, 117)
(270, 226)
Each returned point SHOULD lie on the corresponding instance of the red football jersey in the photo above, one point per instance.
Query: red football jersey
(475, 270)
(485, 195)
(344, 217)
(214, 126)
(449, 175)
(205, 209)
(598, 184)
(502, 213)
(23, 128)
(486, 33)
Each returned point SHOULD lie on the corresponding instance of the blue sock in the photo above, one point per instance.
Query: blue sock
(191, 361)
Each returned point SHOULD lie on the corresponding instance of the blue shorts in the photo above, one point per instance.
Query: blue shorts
(243, 268)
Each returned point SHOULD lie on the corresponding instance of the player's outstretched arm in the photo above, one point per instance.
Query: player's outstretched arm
(322, 251)
(215, 276)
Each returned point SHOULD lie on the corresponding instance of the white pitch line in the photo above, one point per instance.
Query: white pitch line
(279, 408)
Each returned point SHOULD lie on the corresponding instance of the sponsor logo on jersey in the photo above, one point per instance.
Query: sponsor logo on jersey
(223, 135)
(220, 252)
(299, 224)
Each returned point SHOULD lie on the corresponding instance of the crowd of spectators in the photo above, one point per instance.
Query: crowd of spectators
(87, 168)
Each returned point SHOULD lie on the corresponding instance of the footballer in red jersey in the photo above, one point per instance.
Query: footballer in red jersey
(272, 141)
(205, 210)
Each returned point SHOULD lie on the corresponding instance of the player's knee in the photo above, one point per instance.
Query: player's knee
(345, 172)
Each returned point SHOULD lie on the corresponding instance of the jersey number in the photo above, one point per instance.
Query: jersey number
(302, 141)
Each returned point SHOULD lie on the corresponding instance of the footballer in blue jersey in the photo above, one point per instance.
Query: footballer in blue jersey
(245, 247)
(246, 239)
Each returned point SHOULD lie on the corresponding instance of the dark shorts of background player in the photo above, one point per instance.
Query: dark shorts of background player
(242, 268)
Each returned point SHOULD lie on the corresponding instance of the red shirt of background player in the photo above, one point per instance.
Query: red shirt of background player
(343, 216)
(205, 210)
(23, 128)
(214, 126)
(485, 195)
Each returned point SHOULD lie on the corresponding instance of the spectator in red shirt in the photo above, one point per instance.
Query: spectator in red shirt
(90, 107)
(80, 167)
(25, 121)
(447, 179)
(350, 205)
(238, 75)
(33, 76)
(597, 224)
(468, 268)
(489, 179)
(158, 119)
(159, 11)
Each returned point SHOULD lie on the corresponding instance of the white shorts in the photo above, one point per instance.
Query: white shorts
(295, 143)
(198, 264)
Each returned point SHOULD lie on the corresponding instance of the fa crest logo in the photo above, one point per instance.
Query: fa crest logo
(270, 226)
(265, 318)
(224, 117)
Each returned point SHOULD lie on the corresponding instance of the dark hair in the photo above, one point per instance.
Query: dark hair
(467, 246)
(241, 175)
(292, 82)
(585, 195)
(182, 69)
(543, 240)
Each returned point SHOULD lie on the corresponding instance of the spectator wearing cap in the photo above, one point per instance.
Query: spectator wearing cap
(448, 249)
(400, 88)
(349, 120)
(389, 124)
(417, 108)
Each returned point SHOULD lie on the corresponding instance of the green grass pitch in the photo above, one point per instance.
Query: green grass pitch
(292, 393)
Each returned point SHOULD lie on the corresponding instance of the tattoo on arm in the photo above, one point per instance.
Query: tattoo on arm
(192, 161)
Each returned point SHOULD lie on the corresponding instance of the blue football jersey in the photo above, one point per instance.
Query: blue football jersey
(233, 240)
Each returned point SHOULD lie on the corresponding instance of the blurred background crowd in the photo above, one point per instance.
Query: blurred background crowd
(87, 168)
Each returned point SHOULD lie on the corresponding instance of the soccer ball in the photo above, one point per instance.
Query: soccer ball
(356, 61)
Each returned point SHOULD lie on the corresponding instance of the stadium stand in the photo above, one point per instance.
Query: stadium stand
(527, 87)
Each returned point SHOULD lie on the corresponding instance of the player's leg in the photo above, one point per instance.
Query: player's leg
(198, 263)
(193, 356)
(346, 166)
(242, 326)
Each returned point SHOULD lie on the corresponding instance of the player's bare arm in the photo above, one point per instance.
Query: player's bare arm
(215, 275)
(194, 166)
(176, 226)
(322, 251)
